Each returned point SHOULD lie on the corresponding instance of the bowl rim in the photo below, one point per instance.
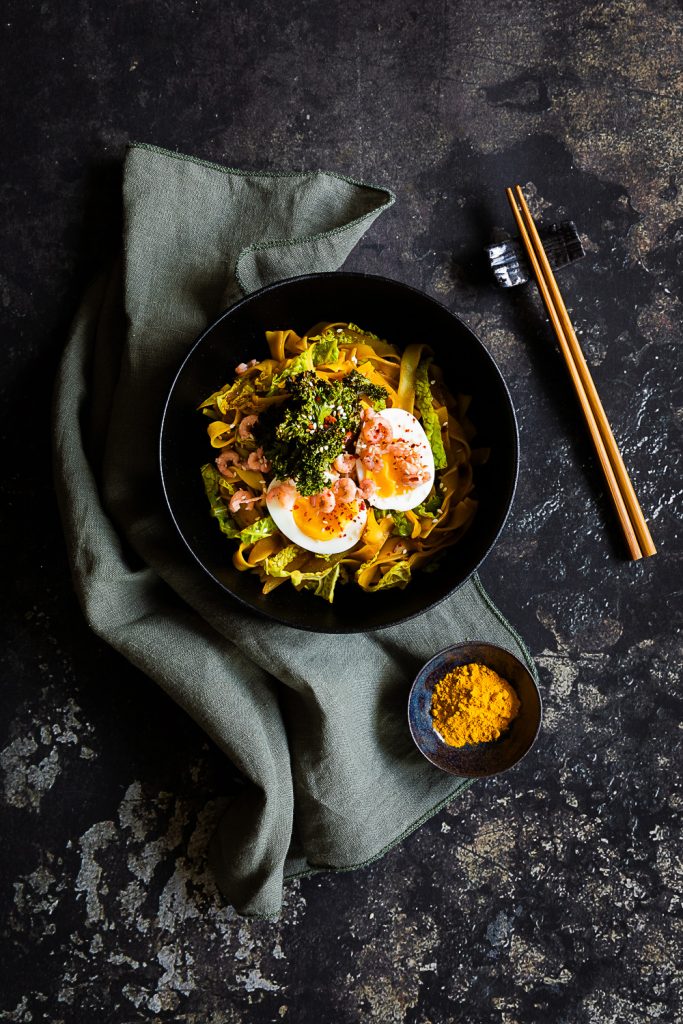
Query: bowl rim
(350, 276)
(425, 667)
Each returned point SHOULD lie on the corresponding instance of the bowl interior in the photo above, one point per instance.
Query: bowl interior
(401, 315)
(480, 759)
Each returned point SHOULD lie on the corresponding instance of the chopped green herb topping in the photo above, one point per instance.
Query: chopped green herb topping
(361, 386)
(318, 421)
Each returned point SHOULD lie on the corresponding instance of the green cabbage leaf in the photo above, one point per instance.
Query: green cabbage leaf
(430, 421)
(258, 530)
(212, 479)
(322, 583)
(397, 576)
(402, 525)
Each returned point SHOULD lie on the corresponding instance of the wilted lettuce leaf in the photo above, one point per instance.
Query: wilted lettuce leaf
(326, 350)
(261, 528)
(277, 564)
(430, 507)
(397, 576)
(304, 361)
(236, 396)
(430, 421)
(402, 525)
(212, 478)
(321, 583)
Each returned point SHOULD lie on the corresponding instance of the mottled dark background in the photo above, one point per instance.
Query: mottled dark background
(552, 893)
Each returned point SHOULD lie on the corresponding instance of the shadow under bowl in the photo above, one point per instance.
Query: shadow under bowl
(482, 759)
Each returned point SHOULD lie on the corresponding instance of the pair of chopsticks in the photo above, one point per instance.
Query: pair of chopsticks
(638, 539)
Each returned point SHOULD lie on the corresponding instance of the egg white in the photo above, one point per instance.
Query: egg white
(284, 520)
(405, 425)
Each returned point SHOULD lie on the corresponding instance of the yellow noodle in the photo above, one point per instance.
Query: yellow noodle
(417, 525)
(406, 386)
(251, 478)
(238, 559)
(263, 548)
(279, 341)
(219, 434)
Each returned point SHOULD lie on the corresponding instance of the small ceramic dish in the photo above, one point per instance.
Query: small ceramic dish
(481, 759)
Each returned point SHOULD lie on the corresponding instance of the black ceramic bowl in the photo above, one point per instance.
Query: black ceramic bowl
(481, 759)
(401, 315)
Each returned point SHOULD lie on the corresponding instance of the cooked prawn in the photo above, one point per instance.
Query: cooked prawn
(368, 488)
(245, 428)
(376, 429)
(257, 461)
(372, 459)
(325, 500)
(344, 489)
(410, 471)
(225, 460)
(242, 368)
(285, 493)
(345, 463)
(243, 497)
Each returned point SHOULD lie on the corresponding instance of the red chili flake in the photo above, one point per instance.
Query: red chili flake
(311, 425)
(330, 419)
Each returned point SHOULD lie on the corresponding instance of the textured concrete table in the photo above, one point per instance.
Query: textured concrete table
(552, 893)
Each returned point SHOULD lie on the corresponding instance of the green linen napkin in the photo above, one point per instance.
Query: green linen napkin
(316, 724)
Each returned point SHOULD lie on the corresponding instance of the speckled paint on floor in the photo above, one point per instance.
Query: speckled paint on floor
(551, 893)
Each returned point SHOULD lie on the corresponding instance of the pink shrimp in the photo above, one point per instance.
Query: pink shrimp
(225, 460)
(244, 429)
(345, 463)
(344, 489)
(257, 461)
(325, 500)
(372, 459)
(243, 497)
(242, 368)
(376, 429)
(368, 488)
(410, 471)
(285, 493)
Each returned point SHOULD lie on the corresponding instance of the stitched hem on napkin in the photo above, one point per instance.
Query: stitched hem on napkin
(317, 869)
(276, 243)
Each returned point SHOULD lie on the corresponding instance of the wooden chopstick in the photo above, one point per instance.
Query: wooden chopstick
(636, 532)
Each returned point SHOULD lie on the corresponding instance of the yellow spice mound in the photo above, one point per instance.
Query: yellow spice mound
(472, 704)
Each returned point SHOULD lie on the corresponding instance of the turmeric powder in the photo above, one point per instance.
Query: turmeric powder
(472, 704)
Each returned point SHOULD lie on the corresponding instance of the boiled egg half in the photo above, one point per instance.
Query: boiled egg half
(390, 469)
(304, 521)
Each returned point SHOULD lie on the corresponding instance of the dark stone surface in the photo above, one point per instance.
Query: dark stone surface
(552, 893)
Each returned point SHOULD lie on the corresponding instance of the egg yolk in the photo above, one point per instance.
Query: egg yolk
(319, 525)
(388, 478)
(384, 479)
